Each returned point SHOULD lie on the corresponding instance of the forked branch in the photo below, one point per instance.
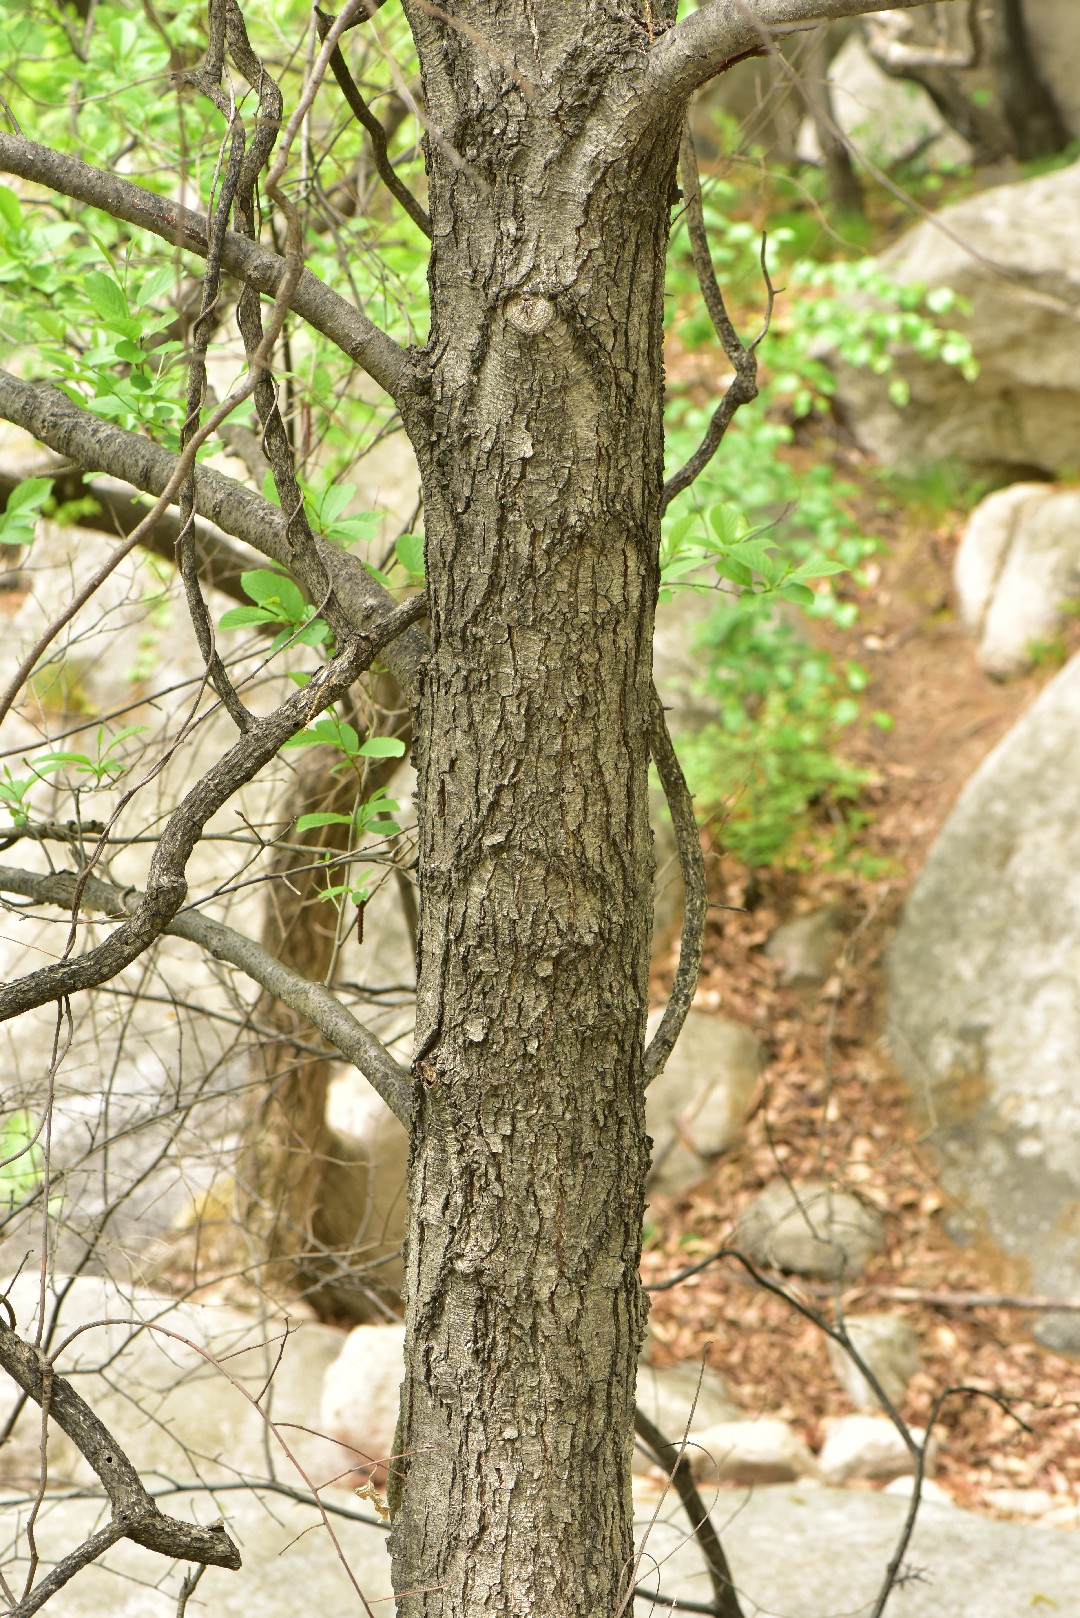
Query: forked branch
(346, 327)
(134, 1514)
(98, 446)
(743, 356)
(166, 888)
(721, 32)
(312, 1001)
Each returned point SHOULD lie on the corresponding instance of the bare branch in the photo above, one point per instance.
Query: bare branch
(312, 1001)
(695, 895)
(96, 446)
(723, 32)
(133, 1509)
(675, 1460)
(166, 888)
(68, 1566)
(377, 134)
(891, 47)
(743, 356)
(350, 330)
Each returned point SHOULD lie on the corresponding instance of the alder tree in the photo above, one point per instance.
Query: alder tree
(555, 152)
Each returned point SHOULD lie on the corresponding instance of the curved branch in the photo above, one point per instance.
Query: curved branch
(675, 1461)
(376, 133)
(312, 1001)
(722, 32)
(897, 55)
(133, 1509)
(365, 343)
(166, 888)
(695, 894)
(743, 356)
(97, 446)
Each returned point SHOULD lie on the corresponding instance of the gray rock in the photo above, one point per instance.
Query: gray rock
(1017, 568)
(810, 1229)
(669, 1396)
(1012, 252)
(290, 1563)
(890, 1348)
(766, 1450)
(867, 1447)
(364, 1198)
(698, 1105)
(179, 1394)
(361, 1392)
(805, 1550)
(806, 947)
(886, 120)
(984, 1008)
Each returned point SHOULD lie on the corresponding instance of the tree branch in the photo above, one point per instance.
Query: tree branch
(350, 330)
(97, 446)
(743, 356)
(166, 888)
(376, 133)
(133, 1507)
(220, 563)
(312, 1001)
(721, 32)
(695, 894)
(675, 1461)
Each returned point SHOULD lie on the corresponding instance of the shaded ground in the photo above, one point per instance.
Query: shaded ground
(831, 1101)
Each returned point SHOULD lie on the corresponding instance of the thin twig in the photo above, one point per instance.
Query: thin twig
(743, 356)
(695, 892)
(364, 115)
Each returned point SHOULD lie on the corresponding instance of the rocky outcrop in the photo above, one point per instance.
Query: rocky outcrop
(809, 1228)
(699, 1103)
(867, 1447)
(1013, 252)
(1017, 571)
(984, 1013)
(888, 1347)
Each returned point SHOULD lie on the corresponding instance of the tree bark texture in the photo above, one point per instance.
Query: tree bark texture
(538, 430)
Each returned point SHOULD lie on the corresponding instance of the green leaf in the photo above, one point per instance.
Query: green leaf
(727, 522)
(10, 208)
(329, 732)
(798, 593)
(409, 550)
(382, 826)
(30, 495)
(382, 747)
(242, 617)
(756, 556)
(333, 503)
(106, 297)
(309, 822)
(277, 593)
(728, 568)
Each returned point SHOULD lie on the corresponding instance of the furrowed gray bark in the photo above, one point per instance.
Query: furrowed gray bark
(540, 444)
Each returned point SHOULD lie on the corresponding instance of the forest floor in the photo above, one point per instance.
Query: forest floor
(830, 1101)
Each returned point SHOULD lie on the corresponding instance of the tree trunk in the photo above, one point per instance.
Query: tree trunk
(1036, 125)
(305, 1202)
(540, 445)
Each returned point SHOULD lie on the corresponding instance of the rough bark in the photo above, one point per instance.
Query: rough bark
(540, 446)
